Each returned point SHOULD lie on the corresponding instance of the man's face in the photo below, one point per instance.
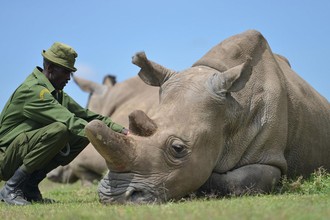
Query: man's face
(59, 77)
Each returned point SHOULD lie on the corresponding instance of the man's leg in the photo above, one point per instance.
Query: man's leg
(76, 145)
(12, 192)
(28, 153)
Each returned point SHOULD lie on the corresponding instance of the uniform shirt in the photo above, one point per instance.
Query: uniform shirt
(36, 103)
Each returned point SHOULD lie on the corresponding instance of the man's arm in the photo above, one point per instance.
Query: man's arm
(46, 109)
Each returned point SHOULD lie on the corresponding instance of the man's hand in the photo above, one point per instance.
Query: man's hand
(125, 131)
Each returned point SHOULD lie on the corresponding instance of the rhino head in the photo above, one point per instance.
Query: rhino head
(173, 152)
(97, 92)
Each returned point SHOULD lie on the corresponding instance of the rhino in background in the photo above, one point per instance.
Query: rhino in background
(88, 166)
(233, 123)
(116, 100)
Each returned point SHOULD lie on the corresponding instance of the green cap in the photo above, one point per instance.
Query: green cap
(62, 55)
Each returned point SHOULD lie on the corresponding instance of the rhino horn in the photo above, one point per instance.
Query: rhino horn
(151, 73)
(117, 149)
(140, 124)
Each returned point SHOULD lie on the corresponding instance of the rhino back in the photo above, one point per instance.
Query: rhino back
(308, 146)
(279, 119)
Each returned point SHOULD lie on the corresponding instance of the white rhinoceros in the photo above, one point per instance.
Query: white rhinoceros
(233, 123)
(112, 99)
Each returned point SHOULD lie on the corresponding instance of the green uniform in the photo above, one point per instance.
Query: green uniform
(37, 122)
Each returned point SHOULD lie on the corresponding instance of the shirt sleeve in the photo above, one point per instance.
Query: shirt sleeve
(43, 108)
(88, 115)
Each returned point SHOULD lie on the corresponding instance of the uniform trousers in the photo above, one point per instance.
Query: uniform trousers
(40, 150)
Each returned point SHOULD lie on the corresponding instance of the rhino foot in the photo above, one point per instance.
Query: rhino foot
(250, 179)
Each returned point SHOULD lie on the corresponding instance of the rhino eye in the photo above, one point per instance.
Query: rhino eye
(179, 150)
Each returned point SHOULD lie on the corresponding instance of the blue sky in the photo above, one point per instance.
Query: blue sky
(174, 33)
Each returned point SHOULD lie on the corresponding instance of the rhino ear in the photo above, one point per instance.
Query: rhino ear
(109, 80)
(86, 85)
(89, 86)
(232, 80)
(151, 73)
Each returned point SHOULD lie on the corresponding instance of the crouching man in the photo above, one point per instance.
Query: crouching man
(42, 127)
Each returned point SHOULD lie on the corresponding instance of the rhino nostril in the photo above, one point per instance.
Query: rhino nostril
(133, 193)
(140, 196)
(136, 195)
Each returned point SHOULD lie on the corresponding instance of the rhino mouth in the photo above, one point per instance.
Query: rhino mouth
(124, 188)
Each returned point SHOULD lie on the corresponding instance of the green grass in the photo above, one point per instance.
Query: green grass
(297, 199)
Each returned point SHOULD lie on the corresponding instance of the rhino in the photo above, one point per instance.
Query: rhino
(113, 99)
(233, 123)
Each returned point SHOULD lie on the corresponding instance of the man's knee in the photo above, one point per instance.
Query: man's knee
(59, 129)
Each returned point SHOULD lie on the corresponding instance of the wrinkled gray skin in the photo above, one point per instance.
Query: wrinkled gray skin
(116, 100)
(233, 123)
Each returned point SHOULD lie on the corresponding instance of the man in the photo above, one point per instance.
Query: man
(41, 127)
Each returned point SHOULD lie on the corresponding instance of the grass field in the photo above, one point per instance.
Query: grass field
(294, 200)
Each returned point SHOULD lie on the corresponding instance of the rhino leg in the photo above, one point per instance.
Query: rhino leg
(62, 174)
(250, 179)
(87, 177)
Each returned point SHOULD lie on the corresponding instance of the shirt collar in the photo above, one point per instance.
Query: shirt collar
(43, 79)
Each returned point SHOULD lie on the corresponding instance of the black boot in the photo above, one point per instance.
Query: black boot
(12, 192)
(31, 189)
